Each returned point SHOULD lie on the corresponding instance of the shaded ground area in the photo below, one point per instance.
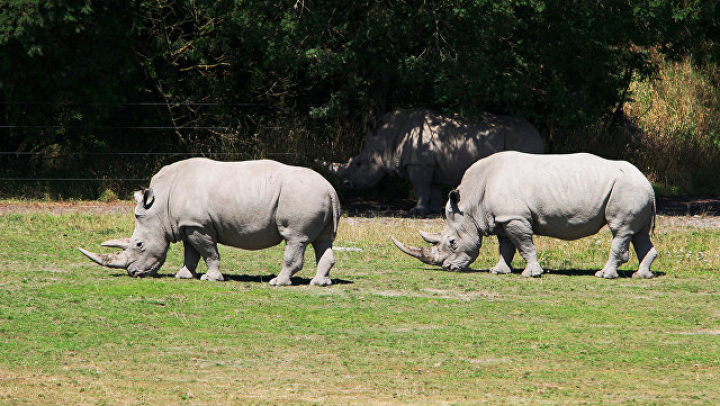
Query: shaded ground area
(354, 207)
(669, 206)
(679, 206)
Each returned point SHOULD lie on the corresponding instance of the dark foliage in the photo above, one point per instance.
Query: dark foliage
(81, 80)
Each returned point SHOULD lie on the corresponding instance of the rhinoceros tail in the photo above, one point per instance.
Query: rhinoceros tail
(336, 210)
(654, 215)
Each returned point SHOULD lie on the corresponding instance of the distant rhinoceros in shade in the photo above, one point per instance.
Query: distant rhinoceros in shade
(250, 205)
(515, 196)
(431, 150)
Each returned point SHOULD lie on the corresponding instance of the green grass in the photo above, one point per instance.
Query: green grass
(391, 331)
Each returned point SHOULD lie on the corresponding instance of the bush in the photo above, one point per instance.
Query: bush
(671, 129)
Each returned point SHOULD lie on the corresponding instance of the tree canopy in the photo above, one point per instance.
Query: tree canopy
(88, 74)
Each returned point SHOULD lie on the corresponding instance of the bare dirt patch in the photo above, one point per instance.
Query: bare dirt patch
(689, 206)
(67, 207)
(705, 207)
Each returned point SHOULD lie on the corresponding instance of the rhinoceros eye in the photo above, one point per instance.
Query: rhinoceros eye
(453, 243)
(139, 244)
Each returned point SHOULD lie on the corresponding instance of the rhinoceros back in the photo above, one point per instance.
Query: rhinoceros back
(564, 196)
(244, 203)
(458, 144)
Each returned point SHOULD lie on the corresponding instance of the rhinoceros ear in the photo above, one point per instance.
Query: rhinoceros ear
(372, 124)
(148, 198)
(454, 196)
(145, 198)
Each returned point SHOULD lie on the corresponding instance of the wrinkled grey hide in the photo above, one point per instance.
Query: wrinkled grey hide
(250, 205)
(515, 196)
(431, 150)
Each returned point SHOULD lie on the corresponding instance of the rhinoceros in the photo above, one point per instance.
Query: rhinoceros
(250, 205)
(515, 196)
(431, 150)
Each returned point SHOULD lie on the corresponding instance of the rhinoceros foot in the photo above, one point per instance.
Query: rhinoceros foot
(277, 281)
(532, 270)
(607, 273)
(212, 276)
(643, 275)
(185, 273)
(500, 269)
(325, 281)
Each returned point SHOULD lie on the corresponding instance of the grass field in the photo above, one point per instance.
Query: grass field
(390, 331)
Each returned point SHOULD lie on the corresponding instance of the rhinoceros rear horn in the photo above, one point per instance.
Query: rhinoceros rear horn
(122, 243)
(432, 238)
(426, 255)
(115, 260)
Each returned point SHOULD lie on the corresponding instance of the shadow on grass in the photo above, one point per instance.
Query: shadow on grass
(591, 272)
(245, 278)
(565, 272)
(296, 280)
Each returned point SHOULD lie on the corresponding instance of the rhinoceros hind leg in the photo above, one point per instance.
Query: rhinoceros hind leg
(325, 261)
(619, 254)
(646, 254)
(292, 263)
(192, 257)
(507, 252)
(519, 232)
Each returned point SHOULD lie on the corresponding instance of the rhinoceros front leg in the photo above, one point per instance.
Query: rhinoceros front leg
(325, 261)
(421, 179)
(520, 234)
(206, 246)
(192, 257)
(436, 203)
(292, 263)
(507, 252)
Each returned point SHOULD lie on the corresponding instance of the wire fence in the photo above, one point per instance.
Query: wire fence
(115, 179)
(183, 155)
(237, 131)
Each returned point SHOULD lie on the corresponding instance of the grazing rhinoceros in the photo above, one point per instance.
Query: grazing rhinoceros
(431, 150)
(515, 195)
(250, 205)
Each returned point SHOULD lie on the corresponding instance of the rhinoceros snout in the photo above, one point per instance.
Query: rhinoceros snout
(138, 273)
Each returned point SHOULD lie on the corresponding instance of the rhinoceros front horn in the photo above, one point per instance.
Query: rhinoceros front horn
(335, 169)
(426, 255)
(114, 260)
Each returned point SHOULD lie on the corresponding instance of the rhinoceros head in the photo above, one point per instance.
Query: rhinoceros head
(456, 247)
(376, 158)
(364, 170)
(143, 253)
